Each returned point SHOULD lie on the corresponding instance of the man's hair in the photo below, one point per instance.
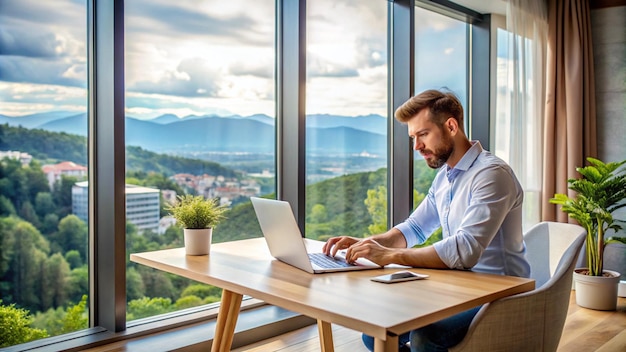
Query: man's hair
(442, 105)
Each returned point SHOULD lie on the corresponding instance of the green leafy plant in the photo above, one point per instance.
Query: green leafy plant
(15, 326)
(196, 212)
(600, 191)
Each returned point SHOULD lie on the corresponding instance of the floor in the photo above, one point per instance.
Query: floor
(602, 331)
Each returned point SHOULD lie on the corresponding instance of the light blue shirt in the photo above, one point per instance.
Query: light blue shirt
(478, 205)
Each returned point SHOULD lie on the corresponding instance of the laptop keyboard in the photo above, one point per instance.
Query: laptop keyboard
(327, 262)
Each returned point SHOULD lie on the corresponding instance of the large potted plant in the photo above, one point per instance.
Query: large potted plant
(197, 216)
(599, 193)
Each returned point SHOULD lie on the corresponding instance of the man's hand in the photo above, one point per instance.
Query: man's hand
(358, 248)
(335, 244)
(369, 249)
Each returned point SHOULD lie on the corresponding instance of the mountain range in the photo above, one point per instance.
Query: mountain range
(231, 134)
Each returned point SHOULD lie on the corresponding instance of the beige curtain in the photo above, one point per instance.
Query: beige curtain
(570, 111)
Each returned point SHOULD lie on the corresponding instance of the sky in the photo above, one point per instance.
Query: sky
(202, 57)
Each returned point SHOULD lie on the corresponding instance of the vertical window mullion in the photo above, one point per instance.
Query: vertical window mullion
(290, 101)
(106, 164)
(401, 66)
(479, 108)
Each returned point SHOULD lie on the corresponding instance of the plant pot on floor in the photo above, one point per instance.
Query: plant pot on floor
(596, 292)
(198, 241)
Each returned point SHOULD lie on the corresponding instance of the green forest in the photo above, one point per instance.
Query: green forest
(44, 276)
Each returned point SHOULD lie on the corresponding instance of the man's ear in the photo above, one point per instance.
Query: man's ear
(452, 125)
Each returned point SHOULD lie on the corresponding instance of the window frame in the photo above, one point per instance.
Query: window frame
(106, 144)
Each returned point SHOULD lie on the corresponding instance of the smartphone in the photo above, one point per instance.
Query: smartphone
(399, 276)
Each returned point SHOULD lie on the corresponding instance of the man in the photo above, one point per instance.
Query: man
(476, 200)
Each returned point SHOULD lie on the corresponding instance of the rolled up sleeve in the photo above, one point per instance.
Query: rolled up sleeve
(419, 226)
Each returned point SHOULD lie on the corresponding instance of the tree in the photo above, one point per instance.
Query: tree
(173, 236)
(201, 290)
(27, 212)
(36, 180)
(44, 204)
(157, 284)
(188, 302)
(73, 258)
(318, 214)
(198, 294)
(15, 326)
(12, 181)
(62, 194)
(76, 317)
(147, 307)
(63, 320)
(376, 203)
(78, 283)
(49, 224)
(28, 254)
(56, 272)
(72, 235)
(134, 285)
(6, 207)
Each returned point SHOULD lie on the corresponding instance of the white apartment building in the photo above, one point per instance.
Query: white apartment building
(54, 171)
(142, 205)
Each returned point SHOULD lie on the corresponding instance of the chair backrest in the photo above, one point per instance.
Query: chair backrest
(532, 321)
(546, 242)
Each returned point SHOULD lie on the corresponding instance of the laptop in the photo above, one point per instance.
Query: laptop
(286, 243)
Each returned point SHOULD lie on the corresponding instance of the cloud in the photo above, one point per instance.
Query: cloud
(37, 47)
(29, 70)
(184, 18)
(22, 42)
(216, 54)
(253, 68)
(25, 98)
(373, 51)
(320, 67)
(193, 78)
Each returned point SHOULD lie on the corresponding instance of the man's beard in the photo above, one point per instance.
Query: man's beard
(441, 155)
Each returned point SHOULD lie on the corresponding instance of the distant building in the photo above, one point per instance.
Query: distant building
(169, 196)
(67, 168)
(165, 223)
(24, 158)
(142, 205)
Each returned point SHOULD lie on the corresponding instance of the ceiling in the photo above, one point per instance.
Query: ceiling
(484, 6)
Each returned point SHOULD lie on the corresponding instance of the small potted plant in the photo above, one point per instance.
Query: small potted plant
(197, 216)
(600, 192)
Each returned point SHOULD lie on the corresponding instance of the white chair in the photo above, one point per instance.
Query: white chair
(532, 321)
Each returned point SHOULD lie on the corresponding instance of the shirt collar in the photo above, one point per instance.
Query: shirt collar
(466, 161)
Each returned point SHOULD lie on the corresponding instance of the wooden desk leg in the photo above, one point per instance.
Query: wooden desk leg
(226, 321)
(389, 345)
(326, 336)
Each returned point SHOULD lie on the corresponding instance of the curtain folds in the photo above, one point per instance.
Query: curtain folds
(527, 27)
(570, 112)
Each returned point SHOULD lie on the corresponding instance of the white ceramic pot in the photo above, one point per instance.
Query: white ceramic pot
(596, 292)
(198, 241)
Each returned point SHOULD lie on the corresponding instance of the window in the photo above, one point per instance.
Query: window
(441, 52)
(346, 118)
(209, 65)
(44, 278)
(517, 127)
(199, 120)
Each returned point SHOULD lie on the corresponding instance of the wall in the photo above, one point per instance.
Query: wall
(608, 27)
(609, 47)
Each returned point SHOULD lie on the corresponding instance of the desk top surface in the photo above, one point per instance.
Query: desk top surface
(350, 299)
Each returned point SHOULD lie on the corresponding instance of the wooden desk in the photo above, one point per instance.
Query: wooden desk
(350, 299)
